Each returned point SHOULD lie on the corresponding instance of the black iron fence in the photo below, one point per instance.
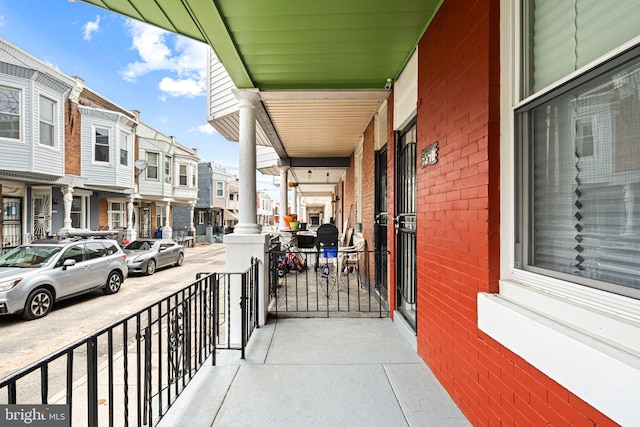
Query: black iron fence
(131, 372)
(330, 282)
(11, 241)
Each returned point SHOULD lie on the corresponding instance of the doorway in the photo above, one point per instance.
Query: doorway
(380, 226)
(405, 224)
(11, 222)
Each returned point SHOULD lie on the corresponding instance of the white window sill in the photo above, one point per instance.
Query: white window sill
(586, 340)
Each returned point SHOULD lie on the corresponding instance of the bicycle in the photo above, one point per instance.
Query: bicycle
(291, 260)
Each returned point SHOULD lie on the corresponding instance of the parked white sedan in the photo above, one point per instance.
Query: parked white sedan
(147, 255)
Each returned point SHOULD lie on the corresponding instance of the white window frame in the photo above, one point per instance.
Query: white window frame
(168, 168)
(95, 143)
(152, 166)
(122, 212)
(201, 217)
(20, 114)
(585, 339)
(85, 206)
(53, 122)
(219, 189)
(124, 148)
(184, 175)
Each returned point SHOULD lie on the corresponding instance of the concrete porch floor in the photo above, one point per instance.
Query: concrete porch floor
(317, 372)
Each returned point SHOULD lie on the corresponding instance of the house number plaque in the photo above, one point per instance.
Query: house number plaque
(430, 154)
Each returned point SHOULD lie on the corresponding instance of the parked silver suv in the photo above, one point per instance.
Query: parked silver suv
(34, 275)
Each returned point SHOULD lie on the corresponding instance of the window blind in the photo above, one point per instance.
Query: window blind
(568, 34)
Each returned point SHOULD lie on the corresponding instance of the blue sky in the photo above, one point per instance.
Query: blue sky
(137, 66)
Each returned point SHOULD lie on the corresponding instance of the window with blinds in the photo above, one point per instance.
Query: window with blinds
(578, 165)
(567, 35)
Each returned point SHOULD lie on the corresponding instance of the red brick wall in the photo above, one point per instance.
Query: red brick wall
(72, 152)
(391, 204)
(458, 228)
(368, 184)
(348, 201)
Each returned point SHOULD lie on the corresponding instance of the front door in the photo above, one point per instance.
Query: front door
(405, 224)
(41, 203)
(380, 228)
(11, 222)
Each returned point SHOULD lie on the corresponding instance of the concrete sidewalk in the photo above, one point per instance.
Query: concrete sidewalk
(317, 372)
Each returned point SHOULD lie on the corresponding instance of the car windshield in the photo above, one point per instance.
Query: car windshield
(142, 245)
(30, 256)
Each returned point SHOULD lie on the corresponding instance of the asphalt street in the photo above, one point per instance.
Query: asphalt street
(23, 342)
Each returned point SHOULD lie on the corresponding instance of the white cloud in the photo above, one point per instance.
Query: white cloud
(91, 27)
(185, 60)
(1, 20)
(182, 87)
(206, 128)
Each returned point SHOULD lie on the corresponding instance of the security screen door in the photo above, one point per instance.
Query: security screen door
(405, 224)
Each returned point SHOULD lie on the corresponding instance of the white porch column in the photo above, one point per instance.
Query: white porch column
(130, 232)
(167, 232)
(192, 207)
(247, 211)
(67, 198)
(246, 241)
(284, 208)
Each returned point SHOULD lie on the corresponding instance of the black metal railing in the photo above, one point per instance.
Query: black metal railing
(330, 282)
(132, 371)
(11, 241)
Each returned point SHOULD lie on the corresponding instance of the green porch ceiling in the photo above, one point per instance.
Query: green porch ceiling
(284, 44)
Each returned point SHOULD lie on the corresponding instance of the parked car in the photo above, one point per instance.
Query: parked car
(147, 255)
(35, 275)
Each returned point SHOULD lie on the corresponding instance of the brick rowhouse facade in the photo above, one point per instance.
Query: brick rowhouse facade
(458, 228)
(72, 139)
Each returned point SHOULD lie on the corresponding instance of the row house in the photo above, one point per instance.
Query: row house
(488, 148)
(35, 100)
(167, 179)
(218, 194)
(71, 160)
(264, 208)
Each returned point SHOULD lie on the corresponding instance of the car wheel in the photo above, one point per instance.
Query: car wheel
(38, 304)
(114, 281)
(180, 259)
(151, 267)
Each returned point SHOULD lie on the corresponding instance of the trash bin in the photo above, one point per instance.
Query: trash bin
(158, 234)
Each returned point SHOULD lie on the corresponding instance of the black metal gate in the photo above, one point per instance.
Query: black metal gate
(380, 228)
(405, 223)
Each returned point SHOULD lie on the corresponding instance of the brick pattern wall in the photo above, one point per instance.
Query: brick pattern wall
(93, 100)
(368, 185)
(458, 228)
(72, 152)
(391, 204)
(349, 199)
